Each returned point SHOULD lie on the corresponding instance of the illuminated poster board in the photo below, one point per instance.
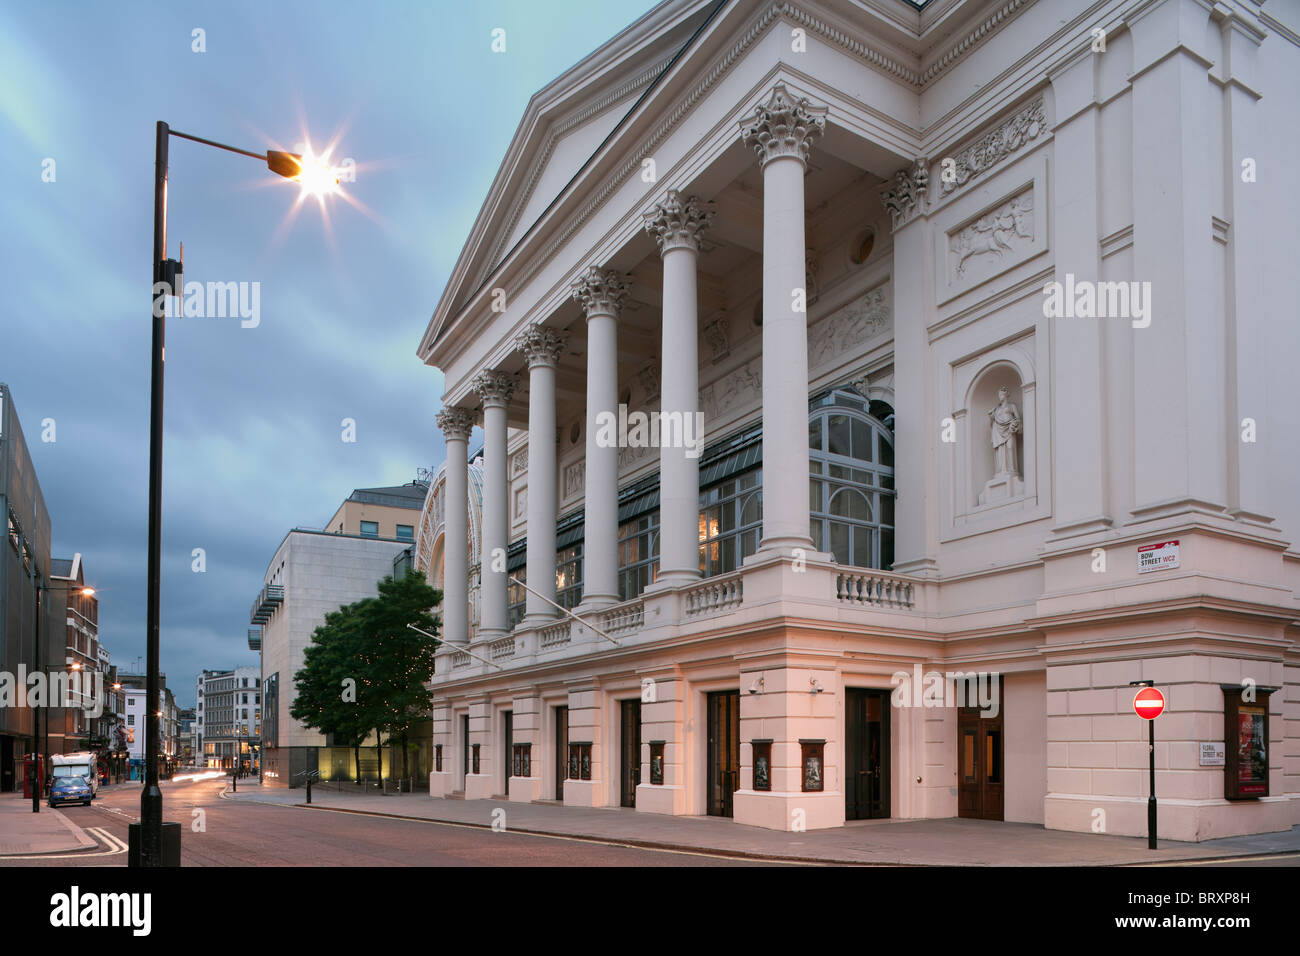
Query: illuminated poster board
(1245, 732)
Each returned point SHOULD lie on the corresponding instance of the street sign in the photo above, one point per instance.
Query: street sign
(1149, 703)
(1158, 557)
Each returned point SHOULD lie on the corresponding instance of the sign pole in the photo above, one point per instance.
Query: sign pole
(1149, 704)
(1151, 800)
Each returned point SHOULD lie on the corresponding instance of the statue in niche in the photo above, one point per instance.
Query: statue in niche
(1004, 426)
(1004, 422)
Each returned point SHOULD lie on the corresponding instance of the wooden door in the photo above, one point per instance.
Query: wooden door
(561, 750)
(723, 758)
(507, 745)
(464, 749)
(979, 764)
(630, 748)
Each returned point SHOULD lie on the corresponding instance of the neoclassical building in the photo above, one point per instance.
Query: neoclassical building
(871, 395)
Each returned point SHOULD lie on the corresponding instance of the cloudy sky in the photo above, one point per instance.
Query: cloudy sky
(414, 95)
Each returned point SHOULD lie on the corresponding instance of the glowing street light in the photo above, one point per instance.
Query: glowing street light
(317, 178)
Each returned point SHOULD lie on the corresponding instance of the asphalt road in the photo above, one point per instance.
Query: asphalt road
(217, 832)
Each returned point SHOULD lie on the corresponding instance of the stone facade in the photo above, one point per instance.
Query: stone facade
(1013, 343)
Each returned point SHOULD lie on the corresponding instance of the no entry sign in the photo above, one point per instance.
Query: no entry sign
(1149, 703)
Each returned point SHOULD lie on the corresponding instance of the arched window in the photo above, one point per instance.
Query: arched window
(851, 488)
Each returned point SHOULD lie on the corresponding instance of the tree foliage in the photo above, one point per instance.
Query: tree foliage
(365, 670)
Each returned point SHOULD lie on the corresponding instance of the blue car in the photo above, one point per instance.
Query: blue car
(72, 789)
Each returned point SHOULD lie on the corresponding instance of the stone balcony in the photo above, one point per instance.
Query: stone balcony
(766, 589)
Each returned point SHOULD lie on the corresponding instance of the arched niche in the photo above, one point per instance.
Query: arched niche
(998, 435)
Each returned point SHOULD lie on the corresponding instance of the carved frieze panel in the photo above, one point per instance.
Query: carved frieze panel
(842, 333)
(735, 389)
(992, 229)
(992, 148)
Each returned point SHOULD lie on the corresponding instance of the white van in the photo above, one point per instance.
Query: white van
(81, 764)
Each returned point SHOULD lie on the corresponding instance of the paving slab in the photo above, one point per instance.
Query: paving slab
(929, 842)
(23, 832)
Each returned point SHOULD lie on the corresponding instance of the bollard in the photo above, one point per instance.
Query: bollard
(309, 789)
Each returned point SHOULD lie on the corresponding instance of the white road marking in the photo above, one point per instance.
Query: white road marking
(115, 845)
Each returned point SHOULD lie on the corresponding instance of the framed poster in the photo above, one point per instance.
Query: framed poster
(1245, 732)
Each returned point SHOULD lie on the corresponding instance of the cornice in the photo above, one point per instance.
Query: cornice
(986, 28)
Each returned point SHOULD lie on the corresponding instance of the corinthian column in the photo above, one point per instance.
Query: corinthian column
(541, 347)
(494, 388)
(781, 132)
(601, 293)
(456, 424)
(676, 224)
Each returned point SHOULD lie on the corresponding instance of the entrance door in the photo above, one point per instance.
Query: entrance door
(979, 764)
(464, 749)
(724, 751)
(630, 747)
(866, 754)
(561, 750)
(6, 764)
(507, 746)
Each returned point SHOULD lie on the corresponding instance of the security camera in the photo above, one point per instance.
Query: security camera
(815, 686)
(756, 687)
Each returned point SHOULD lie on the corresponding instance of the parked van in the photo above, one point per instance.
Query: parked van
(81, 764)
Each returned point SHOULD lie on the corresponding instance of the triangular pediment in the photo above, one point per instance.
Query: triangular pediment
(563, 126)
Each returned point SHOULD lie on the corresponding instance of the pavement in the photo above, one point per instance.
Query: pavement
(23, 832)
(944, 842)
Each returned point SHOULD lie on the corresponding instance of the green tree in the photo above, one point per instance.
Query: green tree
(366, 670)
(327, 698)
(399, 661)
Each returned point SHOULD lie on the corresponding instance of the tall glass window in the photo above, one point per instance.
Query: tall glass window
(568, 576)
(638, 555)
(516, 598)
(731, 519)
(851, 488)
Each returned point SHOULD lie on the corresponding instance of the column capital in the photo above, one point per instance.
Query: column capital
(908, 196)
(456, 423)
(494, 388)
(600, 291)
(542, 347)
(677, 222)
(783, 126)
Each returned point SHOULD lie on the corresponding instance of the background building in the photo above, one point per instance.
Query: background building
(311, 574)
(983, 316)
(24, 563)
(228, 718)
(381, 512)
(75, 649)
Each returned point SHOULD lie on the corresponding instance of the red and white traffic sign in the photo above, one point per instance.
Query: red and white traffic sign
(1149, 703)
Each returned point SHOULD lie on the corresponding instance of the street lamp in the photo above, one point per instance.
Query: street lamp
(315, 177)
(41, 755)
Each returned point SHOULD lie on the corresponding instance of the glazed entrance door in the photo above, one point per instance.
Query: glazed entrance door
(464, 749)
(979, 764)
(630, 748)
(866, 754)
(508, 745)
(723, 778)
(561, 750)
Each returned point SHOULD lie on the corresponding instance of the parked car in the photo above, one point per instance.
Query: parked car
(70, 789)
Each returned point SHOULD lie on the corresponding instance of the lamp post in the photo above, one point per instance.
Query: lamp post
(146, 843)
(40, 765)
